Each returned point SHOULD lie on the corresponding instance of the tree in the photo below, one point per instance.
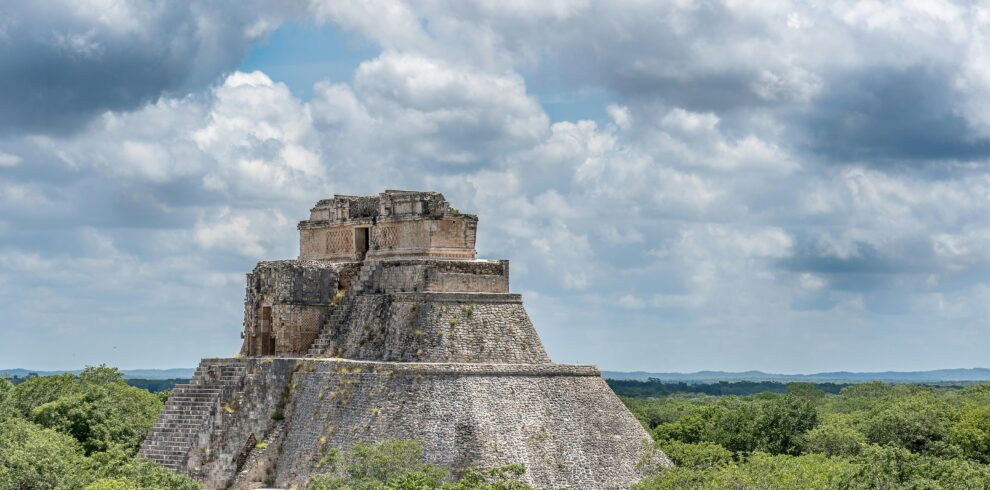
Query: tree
(699, 456)
(913, 422)
(38, 390)
(730, 425)
(896, 468)
(835, 436)
(32, 457)
(399, 465)
(112, 484)
(5, 387)
(759, 471)
(107, 412)
(375, 465)
(782, 421)
(101, 375)
(116, 466)
(972, 433)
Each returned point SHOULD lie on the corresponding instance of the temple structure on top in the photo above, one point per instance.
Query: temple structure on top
(391, 224)
(388, 327)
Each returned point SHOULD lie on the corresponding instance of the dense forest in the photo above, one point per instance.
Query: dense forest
(868, 436)
(655, 387)
(82, 432)
(79, 432)
(152, 385)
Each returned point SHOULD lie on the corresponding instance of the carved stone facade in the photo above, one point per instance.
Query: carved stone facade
(388, 327)
(391, 224)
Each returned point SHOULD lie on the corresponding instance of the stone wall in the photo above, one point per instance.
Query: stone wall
(295, 327)
(562, 422)
(249, 414)
(397, 224)
(438, 327)
(286, 303)
(441, 237)
(474, 276)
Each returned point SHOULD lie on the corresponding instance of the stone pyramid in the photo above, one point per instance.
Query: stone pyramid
(388, 327)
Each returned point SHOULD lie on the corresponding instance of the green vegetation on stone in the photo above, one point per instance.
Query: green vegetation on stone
(399, 465)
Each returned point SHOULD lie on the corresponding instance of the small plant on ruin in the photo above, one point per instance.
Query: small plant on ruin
(399, 464)
(337, 298)
(468, 310)
(261, 445)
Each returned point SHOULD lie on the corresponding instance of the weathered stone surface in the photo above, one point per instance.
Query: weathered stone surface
(408, 343)
(286, 303)
(391, 224)
(562, 422)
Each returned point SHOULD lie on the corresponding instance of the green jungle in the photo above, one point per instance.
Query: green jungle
(83, 432)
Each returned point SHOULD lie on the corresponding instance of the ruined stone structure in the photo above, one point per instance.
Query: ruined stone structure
(388, 327)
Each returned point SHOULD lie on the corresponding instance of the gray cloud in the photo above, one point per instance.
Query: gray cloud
(889, 116)
(724, 215)
(63, 62)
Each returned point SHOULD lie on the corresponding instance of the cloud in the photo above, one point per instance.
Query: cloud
(64, 62)
(9, 160)
(427, 109)
(779, 185)
(885, 115)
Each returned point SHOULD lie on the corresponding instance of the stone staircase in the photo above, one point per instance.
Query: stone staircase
(185, 422)
(342, 311)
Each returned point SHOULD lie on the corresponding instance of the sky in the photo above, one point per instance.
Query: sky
(680, 185)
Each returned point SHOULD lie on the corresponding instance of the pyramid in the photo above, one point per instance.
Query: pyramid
(388, 327)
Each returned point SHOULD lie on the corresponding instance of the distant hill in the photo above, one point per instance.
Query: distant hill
(175, 373)
(935, 376)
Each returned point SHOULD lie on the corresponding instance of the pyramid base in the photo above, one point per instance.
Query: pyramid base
(561, 422)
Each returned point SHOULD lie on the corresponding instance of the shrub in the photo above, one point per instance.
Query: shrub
(399, 465)
(836, 436)
(112, 484)
(912, 422)
(699, 456)
(759, 471)
(781, 422)
(972, 433)
(117, 465)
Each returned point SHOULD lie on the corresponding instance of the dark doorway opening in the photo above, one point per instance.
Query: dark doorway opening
(267, 335)
(361, 242)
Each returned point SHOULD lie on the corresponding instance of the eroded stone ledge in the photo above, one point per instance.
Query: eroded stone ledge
(438, 297)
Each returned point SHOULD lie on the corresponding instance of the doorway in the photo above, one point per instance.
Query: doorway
(361, 242)
(267, 335)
